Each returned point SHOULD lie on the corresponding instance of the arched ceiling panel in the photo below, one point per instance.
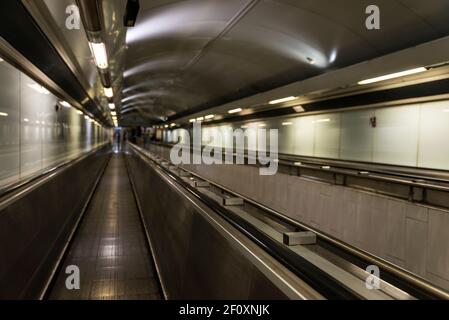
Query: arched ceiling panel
(194, 54)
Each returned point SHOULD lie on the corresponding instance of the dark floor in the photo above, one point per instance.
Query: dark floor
(110, 247)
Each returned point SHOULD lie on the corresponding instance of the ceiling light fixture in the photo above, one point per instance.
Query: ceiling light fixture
(200, 118)
(108, 92)
(99, 52)
(210, 116)
(237, 110)
(392, 76)
(112, 106)
(3, 114)
(287, 123)
(192, 120)
(286, 99)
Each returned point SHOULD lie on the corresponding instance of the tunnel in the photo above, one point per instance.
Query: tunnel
(212, 150)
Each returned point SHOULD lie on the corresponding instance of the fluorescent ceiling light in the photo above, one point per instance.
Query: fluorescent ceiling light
(113, 113)
(237, 110)
(200, 118)
(166, 126)
(3, 114)
(192, 120)
(393, 75)
(210, 116)
(112, 106)
(79, 112)
(323, 120)
(26, 120)
(287, 123)
(38, 88)
(86, 117)
(1, 60)
(173, 125)
(282, 100)
(65, 104)
(99, 53)
(262, 125)
(108, 92)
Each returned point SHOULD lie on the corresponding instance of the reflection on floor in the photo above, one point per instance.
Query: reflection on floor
(110, 247)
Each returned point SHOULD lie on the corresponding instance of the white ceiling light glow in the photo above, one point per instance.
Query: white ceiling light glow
(99, 52)
(237, 110)
(108, 92)
(392, 76)
(282, 100)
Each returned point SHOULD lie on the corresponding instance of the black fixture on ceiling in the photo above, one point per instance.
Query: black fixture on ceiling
(132, 9)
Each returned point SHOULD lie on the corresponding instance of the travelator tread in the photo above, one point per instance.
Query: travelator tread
(109, 247)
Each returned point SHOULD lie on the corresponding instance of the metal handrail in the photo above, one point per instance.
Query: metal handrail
(402, 175)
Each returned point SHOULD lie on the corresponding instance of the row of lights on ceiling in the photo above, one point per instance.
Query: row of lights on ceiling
(301, 109)
(101, 60)
(238, 110)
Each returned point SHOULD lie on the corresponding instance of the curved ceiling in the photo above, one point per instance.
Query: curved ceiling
(190, 55)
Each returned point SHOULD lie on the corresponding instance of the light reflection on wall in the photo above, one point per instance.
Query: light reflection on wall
(34, 135)
(411, 135)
